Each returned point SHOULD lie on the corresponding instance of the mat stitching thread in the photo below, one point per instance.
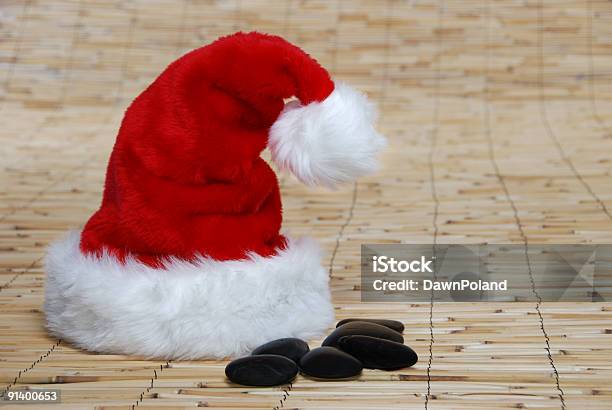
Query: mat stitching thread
(286, 393)
(354, 193)
(432, 179)
(343, 227)
(17, 47)
(385, 79)
(589, 37)
(544, 117)
(155, 376)
(381, 100)
(288, 387)
(27, 369)
(14, 210)
(517, 220)
(64, 176)
(82, 165)
(117, 99)
(18, 274)
(61, 101)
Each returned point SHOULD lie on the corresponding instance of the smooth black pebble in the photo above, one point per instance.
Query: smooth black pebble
(391, 324)
(290, 347)
(330, 363)
(261, 370)
(362, 328)
(377, 353)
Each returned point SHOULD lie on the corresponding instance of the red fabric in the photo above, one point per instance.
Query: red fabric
(185, 176)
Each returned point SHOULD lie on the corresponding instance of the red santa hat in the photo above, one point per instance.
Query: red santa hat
(184, 258)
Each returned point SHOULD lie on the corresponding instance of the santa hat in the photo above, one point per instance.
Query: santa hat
(184, 258)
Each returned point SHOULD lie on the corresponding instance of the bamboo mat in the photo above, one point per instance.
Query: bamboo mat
(499, 116)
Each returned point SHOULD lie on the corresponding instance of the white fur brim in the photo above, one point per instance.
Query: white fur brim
(204, 309)
(327, 142)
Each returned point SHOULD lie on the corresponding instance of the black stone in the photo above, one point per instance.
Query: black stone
(261, 370)
(391, 324)
(329, 363)
(377, 353)
(290, 347)
(365, 329)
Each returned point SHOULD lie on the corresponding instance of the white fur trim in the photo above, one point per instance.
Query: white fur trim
(205, 309)
(328, 142)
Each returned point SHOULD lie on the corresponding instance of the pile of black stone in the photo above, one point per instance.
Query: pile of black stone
(353, 345)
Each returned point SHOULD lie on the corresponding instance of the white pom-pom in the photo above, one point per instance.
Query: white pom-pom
(328, 142)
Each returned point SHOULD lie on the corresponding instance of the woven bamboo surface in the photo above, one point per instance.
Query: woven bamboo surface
(499, 116)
